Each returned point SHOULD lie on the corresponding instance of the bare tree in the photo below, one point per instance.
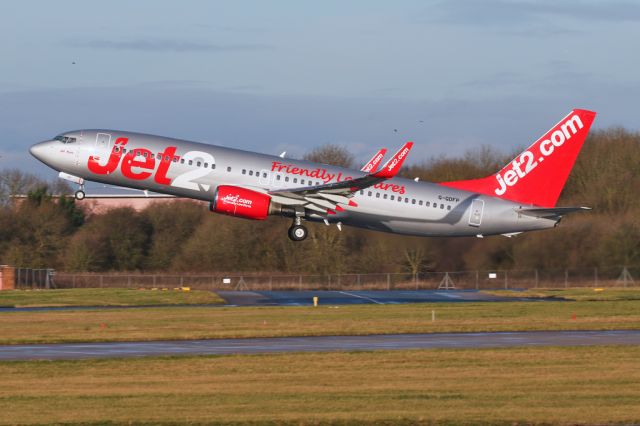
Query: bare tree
(334, 155)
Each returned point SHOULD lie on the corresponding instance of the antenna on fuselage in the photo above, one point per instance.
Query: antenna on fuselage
(283, 154)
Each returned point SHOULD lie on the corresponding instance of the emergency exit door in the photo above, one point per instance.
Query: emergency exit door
(477, 208)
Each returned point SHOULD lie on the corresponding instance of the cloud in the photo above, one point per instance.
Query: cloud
(160, 45)
(272, 124)
(528, 12)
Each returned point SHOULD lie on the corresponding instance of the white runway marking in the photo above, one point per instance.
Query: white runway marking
(362, 297)
(449, 295)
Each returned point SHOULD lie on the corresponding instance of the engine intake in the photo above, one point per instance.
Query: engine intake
(241, 202)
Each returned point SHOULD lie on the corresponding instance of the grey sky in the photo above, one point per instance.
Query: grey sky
(278, 75)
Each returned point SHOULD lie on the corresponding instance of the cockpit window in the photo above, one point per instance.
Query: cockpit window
(65, 139)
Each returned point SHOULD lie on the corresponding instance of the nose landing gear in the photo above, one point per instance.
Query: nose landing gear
(297, 231)
(79, 194)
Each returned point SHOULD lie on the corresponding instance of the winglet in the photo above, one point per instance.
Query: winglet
(372, 165)
(391, 168)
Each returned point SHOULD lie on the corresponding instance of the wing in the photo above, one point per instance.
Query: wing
(331, 197)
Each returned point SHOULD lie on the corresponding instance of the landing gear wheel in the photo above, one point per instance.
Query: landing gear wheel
(79, 195)
(298, 232)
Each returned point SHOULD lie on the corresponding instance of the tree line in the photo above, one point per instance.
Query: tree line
(57, 232)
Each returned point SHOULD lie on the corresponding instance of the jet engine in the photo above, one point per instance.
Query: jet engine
(241, 202)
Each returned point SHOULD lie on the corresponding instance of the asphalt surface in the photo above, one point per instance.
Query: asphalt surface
(318, 344)
(305, 298)
(390, 297)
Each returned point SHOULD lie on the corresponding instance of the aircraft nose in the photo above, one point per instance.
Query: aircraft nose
(39, 150)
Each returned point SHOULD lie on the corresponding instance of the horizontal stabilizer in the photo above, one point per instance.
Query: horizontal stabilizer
(550, 213)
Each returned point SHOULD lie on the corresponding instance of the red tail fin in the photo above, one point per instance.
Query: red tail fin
(537, 175)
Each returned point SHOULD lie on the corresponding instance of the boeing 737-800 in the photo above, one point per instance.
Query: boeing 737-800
(520, 197)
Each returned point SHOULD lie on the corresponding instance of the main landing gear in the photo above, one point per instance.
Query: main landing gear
(297, 231)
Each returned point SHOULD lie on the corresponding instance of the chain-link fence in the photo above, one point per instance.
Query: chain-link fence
(29, 278)
(461, 280)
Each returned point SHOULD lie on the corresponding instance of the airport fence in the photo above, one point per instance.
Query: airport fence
(29, 278)
(460, 280)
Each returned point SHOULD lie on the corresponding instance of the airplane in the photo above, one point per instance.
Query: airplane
(520, 197)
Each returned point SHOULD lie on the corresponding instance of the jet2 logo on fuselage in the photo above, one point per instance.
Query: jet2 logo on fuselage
(144, 161)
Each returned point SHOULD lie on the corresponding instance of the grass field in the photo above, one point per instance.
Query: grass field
(583, 385)
(220, 322)
(581, 294)
(104, 297)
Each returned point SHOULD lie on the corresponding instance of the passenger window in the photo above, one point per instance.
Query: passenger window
(199, 163)
(384, 196)
(244, 171)
(206, 165)
(213, 166)
(442, 206)
(250, 172)
(228, 168)
(295, 180)
(159, 157)
(448, 207)
(370, 193)
(393, 197)
(413, 201)
(278, 177)
(377, 195)
(286, 178)
(301, 181)
(435, 205)
(406, 200)
(166, 158)
(399, 199)
(428, 203)
(175, 159)
(420, 202)
(182, 161)
(191, 163)
(264, 174)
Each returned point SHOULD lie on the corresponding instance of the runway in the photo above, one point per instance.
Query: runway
(305, 298)
(359, 297)
(318, 344)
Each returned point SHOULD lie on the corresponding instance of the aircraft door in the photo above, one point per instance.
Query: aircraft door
(77, 155)
(477, 209)
(103, 141)
(265, 177)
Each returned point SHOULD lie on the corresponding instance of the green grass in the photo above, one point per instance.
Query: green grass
(222, 322)
(582, 385)
(105, 297)
(581, 294)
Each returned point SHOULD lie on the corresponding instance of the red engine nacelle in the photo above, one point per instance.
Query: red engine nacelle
(240, 202)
